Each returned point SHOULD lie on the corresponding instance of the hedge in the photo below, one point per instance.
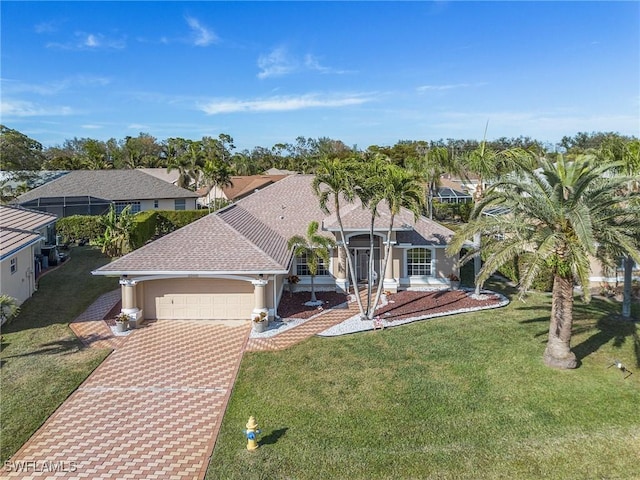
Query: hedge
(147, 225)
(512, 269)
(80, 227)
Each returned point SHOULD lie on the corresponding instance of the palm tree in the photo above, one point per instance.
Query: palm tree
(626, 154)
(432, 165)
(371, 175)
(399, 189)
(9, 308)
(489, 165)
(335, 179)
(218, 174)
(316, 248)
(557, 215)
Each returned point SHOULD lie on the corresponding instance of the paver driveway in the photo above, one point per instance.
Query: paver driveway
(151, 410)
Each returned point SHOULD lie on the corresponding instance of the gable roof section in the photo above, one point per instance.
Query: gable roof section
(113, 185)
(18, 228)
(207, 246)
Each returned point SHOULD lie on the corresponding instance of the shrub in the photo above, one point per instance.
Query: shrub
(170, 220)
(80, 227)
(144, 228)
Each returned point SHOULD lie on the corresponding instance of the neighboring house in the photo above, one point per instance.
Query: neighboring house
(234, 263)
(90, 192)
(22, 234)
(240, 188)
(452, 191)
(163, 174)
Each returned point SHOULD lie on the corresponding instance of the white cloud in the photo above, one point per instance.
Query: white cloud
(280, 62)
(542, 125)
(313, 63)
(23, 108)
(202, 36)
(139, 127)
(451, 86)
(91, 127)
(90, 41)
(283, 103)
(55, 87)
(276, 63)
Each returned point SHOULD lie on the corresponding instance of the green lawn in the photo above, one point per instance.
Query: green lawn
(459, 397)
(42, 360)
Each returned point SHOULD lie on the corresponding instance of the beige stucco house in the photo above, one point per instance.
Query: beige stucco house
(90, 192)
(234, 263)
(22, 234)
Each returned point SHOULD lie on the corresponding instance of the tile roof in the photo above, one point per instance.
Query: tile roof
(18, 228)
(251, 235)
(246, 185)
(114, 185)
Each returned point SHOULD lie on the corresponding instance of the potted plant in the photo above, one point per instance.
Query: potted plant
(122, 322)
(292, 280)
(260, 322)
(454, 281)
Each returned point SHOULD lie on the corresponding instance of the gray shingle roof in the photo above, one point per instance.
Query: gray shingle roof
(251, 235)
(114, 185)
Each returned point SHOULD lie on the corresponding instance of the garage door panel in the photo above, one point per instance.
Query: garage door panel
(204, 306)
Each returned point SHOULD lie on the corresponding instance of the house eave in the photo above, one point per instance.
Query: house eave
(185, 273)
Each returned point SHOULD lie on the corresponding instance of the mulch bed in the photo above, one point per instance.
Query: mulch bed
(401, 305)
(413, 304)
(292, 305)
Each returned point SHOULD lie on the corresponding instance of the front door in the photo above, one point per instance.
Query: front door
(360, 256)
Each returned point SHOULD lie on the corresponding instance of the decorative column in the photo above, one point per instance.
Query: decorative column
(342, 283)
(260, 294)
(390, 282)
(129, 307)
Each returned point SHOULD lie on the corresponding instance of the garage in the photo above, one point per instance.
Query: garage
(198, 299)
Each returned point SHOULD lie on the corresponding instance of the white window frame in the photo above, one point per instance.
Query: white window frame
(14, 265)
(431, 264)
(120, 206)
(180, 204)
(301, 263)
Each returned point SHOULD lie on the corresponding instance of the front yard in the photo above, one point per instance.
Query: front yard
(456, 397)
(42, 360)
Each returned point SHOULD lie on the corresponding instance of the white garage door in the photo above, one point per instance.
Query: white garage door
(202, 306)
(198, 299)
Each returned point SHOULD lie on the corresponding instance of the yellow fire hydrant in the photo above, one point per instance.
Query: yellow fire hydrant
(251, 432)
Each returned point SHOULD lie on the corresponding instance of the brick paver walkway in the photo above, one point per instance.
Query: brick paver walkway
(152, 410)
(90, 328)
(320, 323)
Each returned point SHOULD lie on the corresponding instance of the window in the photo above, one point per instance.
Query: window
(418, 262)
(155, 204)
(120, 206)
(180, 204)
(302, 267)
(14, 265)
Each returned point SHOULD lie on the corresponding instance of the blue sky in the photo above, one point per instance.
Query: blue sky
(362, 72)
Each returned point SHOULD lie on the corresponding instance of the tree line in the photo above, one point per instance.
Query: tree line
(189, 157)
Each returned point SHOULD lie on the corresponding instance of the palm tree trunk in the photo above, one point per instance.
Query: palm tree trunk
(626, 294)
(387, 254)
(558, 353)
(370, 266)
(477, 262)
(352, 270)
(313, 289)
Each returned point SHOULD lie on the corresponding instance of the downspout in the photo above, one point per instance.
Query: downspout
(275, 298)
